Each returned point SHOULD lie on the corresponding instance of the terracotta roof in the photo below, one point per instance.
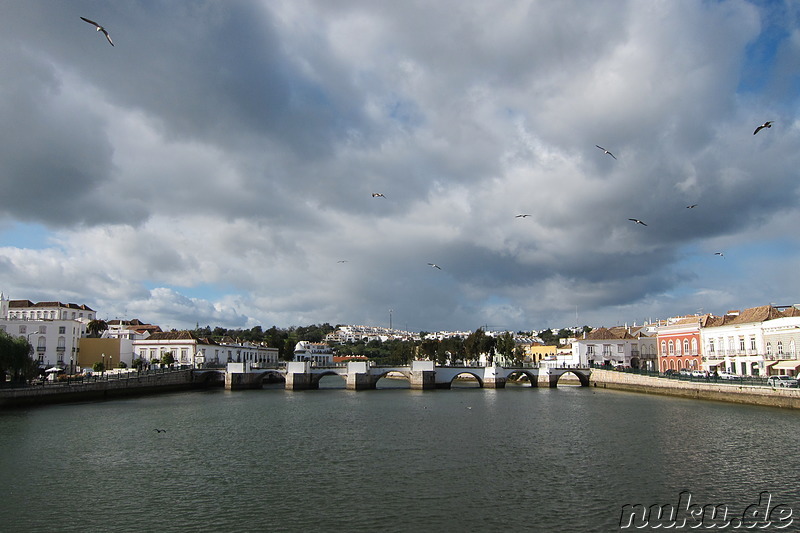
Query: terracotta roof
(178, 336)
(615, 333)
(761, 313)
(28, 303)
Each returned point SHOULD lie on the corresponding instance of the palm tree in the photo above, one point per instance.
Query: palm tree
(95, 327)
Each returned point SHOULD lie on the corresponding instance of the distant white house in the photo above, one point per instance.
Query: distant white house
(188, 349)
(316, 352)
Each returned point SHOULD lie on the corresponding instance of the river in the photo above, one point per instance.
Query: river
(393, 459)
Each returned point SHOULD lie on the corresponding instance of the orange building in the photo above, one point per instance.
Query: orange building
(679, 344)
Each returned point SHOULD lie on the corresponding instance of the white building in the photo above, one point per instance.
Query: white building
(52, 328)
(610, 346)
(746, 342)
(316, 352)
(190, 350)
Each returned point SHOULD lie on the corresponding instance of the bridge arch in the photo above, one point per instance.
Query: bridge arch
(454, 379)
(317, 376)
(515, 376)
(583, 377)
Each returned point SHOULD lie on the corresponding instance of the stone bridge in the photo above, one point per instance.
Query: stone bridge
(422, 375)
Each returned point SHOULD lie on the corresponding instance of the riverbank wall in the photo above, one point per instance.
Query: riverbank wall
(723, 392)
(127, 385)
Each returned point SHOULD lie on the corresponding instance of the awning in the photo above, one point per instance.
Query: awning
(787, 365)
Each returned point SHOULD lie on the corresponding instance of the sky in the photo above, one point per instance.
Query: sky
(217, 165)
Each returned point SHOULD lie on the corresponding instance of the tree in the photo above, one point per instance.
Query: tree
(15, 358)
(167, 358)
(96, 327)
(98, 366)
(506, 345)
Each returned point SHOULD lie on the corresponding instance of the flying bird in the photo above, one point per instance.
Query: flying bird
(521, 216)
(342, 261)
(691, 206)
(99, 28)
(160, 430)
(637, 221)
(378, 195)
(719, 254)
(435, 265)
(605, 151)
(767, 124)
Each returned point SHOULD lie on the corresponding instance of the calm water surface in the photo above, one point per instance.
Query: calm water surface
(394, 459)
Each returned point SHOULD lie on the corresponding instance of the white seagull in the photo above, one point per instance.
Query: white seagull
(605, 151)
(521, 216)
(767, 124)
(99, 28)
(637, 221)
(719, 254)
(342, 261)
(378, 195)
(691, 206)
(435, 265)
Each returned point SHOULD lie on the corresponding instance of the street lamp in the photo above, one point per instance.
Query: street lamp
(104, 362)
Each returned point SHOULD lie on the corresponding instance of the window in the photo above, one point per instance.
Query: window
(741, 344)
(685, 346)
(780, 347)
(694, 346)
(671, 348)
(22, 329)
(753, 343)
(663, 347)
(590, 349)
(62, 330)
(769, 348)
(620, 348)
(710, 345)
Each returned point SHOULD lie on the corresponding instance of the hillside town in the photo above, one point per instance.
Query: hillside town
(758, 341)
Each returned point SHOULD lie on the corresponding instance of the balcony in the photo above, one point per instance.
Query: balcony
(41, 349)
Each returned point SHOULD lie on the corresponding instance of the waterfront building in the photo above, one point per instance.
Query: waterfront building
(190, 350)
(617, 346)
(679, 343)
(316, 352)
(781, 342)
(736, 342)
(52, 328)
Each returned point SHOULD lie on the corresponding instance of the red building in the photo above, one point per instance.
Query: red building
(679, 343)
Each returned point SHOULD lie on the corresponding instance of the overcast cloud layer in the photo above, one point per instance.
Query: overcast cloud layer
(216, 166)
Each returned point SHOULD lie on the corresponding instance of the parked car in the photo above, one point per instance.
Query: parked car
(728, 375)
(782, 381)
(699, 374)
(685, 372)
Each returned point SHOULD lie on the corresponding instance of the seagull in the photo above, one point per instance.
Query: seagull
(767, 124)
(636, 220)
(342, 261)
(435, 265)
(99, 28)
(605, 151)
(160, 430)
(378, 195)
(521, 216)
(691, 206)
(719, 254)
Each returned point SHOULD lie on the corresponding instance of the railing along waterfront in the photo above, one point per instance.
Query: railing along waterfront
(731, 379)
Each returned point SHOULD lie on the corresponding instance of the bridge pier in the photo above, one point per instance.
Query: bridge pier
(423, 375)
(493, 379)
(495, 382)
(360, 381)
(298, 376)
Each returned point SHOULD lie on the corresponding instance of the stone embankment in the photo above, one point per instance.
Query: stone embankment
(113, 387)
(719, 391)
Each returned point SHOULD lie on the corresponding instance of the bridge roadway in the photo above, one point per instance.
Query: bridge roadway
(422, 375)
